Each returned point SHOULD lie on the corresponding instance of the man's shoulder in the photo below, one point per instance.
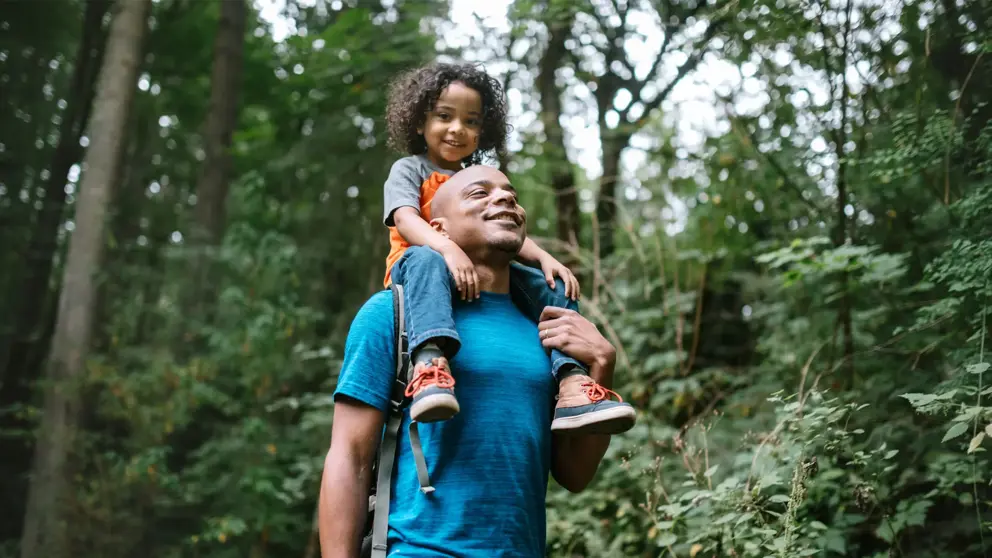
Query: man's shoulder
(367, 366)
(377, 310)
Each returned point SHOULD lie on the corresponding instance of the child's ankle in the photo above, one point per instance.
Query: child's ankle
(570, 369)
(426, 353)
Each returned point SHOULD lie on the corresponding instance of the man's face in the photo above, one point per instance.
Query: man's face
(482, 212)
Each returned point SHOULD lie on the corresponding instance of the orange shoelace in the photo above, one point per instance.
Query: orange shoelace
(598, 393)
(430, 375)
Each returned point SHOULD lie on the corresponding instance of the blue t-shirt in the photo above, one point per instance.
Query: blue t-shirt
(490, 463)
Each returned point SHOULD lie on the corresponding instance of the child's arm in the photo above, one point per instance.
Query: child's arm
(418, 232)
(533, 254)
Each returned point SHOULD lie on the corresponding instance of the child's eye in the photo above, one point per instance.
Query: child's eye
(475, 123)
(444, 116)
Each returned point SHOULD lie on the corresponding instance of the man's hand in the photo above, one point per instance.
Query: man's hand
(569, 332)
(462, 269)
(553, 268)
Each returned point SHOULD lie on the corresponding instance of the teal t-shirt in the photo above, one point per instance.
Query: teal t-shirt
(490, 463)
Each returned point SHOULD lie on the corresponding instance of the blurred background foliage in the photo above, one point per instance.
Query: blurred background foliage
(781, 212)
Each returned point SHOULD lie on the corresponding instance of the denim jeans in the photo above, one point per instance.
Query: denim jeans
(429, 288)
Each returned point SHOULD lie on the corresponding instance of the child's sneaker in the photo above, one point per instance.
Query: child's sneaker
(433, 392)
(584, 407)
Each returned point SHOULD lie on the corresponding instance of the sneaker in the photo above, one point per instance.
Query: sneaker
(585, 407)
(433, 392)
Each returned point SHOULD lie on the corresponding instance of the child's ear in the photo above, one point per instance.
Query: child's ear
(440, 225)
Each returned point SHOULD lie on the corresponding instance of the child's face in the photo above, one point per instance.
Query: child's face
(452, 129)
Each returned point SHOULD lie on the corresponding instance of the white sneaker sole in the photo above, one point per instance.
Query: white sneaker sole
(434, 408)
(615, 420)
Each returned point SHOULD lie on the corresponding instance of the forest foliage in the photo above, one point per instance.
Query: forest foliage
(784, 226)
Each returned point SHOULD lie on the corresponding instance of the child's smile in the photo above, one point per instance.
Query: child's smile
(451, 130)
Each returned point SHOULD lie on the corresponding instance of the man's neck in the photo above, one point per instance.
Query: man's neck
(493, 279)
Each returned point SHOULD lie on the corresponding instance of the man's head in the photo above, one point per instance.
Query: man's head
(477, 209)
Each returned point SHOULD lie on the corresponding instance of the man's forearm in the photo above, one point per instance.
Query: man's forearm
(343, 506)
(577, 457)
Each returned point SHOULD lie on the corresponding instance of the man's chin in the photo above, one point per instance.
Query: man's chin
(507, 244)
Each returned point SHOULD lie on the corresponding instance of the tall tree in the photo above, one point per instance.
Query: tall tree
(29, 304)
(615, 71)
(222, 118)
(22, 349)
(45, 529)
(560, 21)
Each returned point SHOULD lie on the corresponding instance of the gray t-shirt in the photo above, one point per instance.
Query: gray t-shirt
(402, 188)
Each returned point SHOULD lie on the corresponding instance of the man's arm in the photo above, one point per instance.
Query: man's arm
(575, 459)
(344, 486)
(360, 399)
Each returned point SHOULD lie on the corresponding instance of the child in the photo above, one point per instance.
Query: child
(446, 116)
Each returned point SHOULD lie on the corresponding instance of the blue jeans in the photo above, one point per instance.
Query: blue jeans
(429, 288)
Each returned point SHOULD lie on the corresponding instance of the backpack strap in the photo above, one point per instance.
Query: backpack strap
(394, 416)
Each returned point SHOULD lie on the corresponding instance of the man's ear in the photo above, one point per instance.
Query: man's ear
(440, 225)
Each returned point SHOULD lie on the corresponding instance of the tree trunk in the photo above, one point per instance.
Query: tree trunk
(606, 203)
(22, 352)
(562, 176)
(45, 531)
(33, 293)
(222, 118)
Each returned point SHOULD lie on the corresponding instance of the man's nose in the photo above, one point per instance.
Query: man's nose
(504, 197)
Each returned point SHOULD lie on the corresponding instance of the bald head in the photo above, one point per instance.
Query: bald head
(449, 191)
(477, 209)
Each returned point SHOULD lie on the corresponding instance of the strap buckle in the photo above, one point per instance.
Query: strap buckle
(398, 397)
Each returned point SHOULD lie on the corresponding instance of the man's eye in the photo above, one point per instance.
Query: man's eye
(478, 193)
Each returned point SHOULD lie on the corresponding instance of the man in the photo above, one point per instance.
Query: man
(490, 463)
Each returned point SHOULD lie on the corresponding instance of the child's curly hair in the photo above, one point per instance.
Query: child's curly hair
(413, 94)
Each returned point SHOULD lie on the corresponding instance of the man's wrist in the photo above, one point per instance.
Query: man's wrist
(601, 368)
(606, 356)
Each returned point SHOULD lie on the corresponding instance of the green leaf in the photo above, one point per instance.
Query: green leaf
(709, 472)
(954, 431)
(976, 442)
(978, 368)
(667, 539)
(779, 499)
(726, 518)
(919, 399)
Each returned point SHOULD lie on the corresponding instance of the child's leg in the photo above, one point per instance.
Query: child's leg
(532, 294)
(583, 405)
(430, 326)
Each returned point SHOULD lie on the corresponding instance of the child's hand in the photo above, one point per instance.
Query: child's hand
(463, 270)
(552, 268)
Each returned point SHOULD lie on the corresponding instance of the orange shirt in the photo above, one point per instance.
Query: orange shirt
(397, 245)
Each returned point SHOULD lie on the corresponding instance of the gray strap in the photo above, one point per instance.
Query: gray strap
(380, 521)
(418, 457)
(387, 449)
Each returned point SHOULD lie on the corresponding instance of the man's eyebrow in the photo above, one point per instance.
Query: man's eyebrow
(489, 183)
